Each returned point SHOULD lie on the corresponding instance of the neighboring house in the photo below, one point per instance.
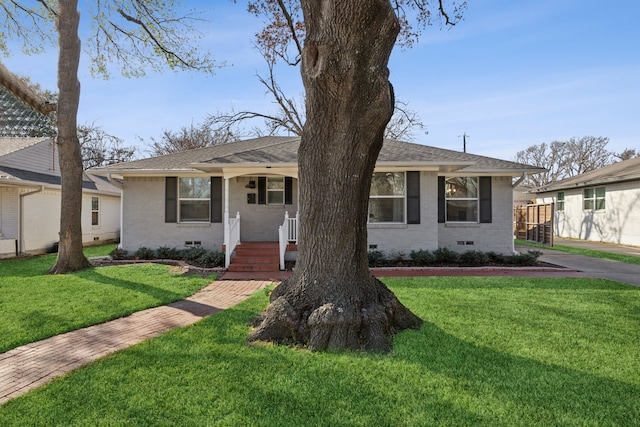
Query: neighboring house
(601, 205)
(421, 198)
(30, 199)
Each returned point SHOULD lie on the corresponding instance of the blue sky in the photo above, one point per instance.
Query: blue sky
(511, 75)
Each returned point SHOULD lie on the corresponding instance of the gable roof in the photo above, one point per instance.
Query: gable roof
(627, 170)
(274, 151)
(11, 145)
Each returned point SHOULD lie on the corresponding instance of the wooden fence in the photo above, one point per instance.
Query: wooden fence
(534, 223)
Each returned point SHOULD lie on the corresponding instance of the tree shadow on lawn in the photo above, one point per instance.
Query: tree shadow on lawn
(208, 374)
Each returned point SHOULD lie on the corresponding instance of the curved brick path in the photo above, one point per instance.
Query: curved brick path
(30, 366)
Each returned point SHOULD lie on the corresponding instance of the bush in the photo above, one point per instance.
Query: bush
(474, 258)
(376, 258)
(422, 258)
(529, 259)
(445, 256)
(192, 254)
(210, 259)
(145, 253)
(118, 253)
(165, 252)
(496, 258)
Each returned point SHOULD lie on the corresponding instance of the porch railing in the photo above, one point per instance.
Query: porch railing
(231, 238)
(288, 233)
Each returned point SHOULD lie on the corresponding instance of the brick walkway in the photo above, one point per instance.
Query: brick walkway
(32, 365)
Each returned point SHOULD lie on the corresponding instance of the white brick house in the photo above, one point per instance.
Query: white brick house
(421, 198)
(30, 199)
(601, 205)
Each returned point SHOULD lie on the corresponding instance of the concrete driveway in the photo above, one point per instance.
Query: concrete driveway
(593, 267)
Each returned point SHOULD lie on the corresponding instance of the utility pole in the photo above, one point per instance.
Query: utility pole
(464, 141)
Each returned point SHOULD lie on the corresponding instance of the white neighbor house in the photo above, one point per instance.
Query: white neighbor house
(601, 205)
(30, 199)
(421, 198)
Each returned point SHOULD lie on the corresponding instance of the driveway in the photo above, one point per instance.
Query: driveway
(593, 267)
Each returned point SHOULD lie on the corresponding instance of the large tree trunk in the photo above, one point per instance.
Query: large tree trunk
(70, 256)
(332, 300)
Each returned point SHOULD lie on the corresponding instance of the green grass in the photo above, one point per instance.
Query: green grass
(35, 305)
(492, 352)
(631, 259)
(101, 250)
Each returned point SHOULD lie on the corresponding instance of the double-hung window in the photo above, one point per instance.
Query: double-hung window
(593, 199)
(560, 201)
(461, 197)
(194, 198)
(95, 211)
(275, 190)
(387, 199)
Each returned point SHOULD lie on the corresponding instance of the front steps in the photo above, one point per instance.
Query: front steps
(256, 257)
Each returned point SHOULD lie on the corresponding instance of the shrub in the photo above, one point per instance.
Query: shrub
(496, 258)
(210, 259)
(474, 258)
(528, 259)
(192, 254)
(145, 253)
(422, 258)
(165, 252)
(445, 256)
(376, 258)
(118, 253)
(395, 258)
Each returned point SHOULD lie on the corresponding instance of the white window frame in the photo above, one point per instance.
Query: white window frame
(594, 199)
(402, 196)
(275, 190)
(476, 199)
(95, 210)
(187, 199)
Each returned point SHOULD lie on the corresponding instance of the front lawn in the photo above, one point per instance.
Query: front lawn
(493, 351)
(629, 259)
(35, 305)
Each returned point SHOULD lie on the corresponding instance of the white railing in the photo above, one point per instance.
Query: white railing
(231, 237)
(287, 233)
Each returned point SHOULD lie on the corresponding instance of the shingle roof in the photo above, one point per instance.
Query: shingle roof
(11, 145)
(627, 170)
(284, 151)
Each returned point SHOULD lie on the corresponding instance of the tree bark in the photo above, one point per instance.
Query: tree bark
(332, 300)
(70, 255)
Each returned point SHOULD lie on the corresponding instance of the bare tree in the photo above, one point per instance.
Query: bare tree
(332, 300)
(626, 154)
(135, 35)
(188, 138)
(289, 115)
(99, 148)
(564, 159)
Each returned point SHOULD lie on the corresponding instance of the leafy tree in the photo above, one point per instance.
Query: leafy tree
(332, 300)
(564, 159)
(136, 35)
(98, 148)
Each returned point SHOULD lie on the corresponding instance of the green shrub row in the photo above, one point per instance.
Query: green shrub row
(447, 257)
(196, 256)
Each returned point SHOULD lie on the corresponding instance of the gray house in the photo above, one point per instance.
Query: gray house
(247, 191)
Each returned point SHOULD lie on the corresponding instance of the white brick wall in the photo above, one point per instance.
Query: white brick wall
(496, 236)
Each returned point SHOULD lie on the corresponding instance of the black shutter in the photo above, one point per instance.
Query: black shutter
(413, 197)
(485, 199)
(441, 200)
(262, 190)
(171, 199)
(216, 199)
(288, 190)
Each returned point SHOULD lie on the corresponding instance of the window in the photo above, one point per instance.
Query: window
(194, 198)
(275, 190)
(593, 199)
(387, 197)
(560, 201)
(95, 211)
(461, 197)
